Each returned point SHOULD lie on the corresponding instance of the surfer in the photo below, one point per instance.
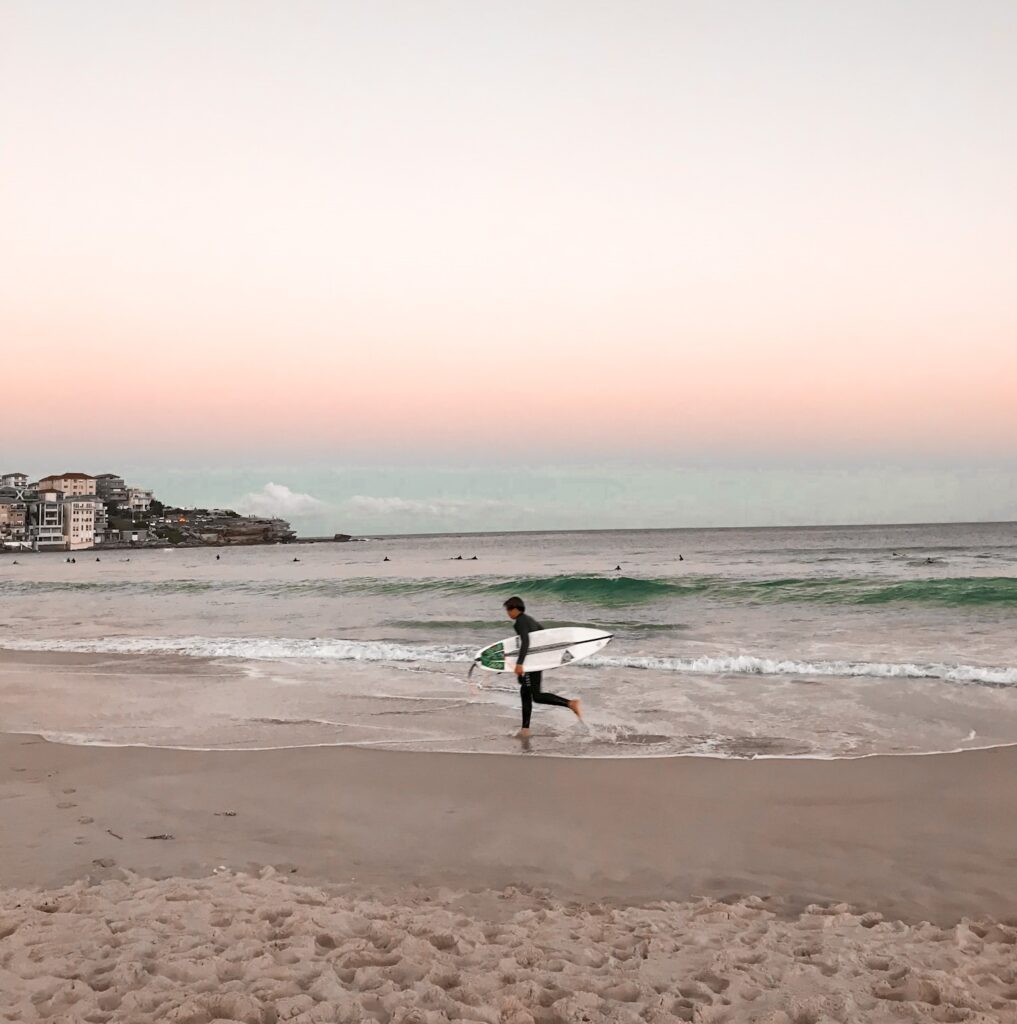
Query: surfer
(530, 692)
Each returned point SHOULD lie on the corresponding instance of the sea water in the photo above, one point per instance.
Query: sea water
(823, 642)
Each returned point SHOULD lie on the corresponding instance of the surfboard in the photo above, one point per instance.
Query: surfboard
(549, 648)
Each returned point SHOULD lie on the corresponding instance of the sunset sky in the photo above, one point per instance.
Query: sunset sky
(266, 242)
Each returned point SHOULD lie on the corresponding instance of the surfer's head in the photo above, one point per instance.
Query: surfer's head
(515, 607)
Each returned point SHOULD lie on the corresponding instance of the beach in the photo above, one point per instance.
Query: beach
(324, 884)
(248, 790)
(508, 513)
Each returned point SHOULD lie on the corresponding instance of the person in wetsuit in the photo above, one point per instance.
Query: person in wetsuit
(530, 691)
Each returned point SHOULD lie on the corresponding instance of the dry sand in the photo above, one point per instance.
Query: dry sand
(644, 890)
(261, 950)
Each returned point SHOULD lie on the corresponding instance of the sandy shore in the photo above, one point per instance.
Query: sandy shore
(573, 890)
(916, 837)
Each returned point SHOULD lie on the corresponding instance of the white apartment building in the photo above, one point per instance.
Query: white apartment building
(79, 522)
(14, 480)
(46, 522)
(72, 484)
(139, 500)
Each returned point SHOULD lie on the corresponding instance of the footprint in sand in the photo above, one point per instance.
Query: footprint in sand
(65, 804)
(68, 791)
(85, 820)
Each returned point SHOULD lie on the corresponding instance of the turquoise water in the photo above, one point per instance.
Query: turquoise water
(600, 591)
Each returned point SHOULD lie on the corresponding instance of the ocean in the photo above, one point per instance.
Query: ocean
(815, 642)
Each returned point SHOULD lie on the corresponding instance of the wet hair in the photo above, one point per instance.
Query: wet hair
(515, 604)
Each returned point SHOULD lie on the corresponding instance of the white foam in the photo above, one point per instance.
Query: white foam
(282, 648)
(746, 664)
(252, 648)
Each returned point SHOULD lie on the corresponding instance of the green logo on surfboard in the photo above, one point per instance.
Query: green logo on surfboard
(493, 657)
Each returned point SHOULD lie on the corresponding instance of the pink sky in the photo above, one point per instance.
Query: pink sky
(663, 229)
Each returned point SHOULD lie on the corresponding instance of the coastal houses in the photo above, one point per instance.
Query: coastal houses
(64, 511)
(225, 527)
(75, 511)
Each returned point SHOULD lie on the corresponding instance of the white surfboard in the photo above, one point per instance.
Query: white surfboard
(549, 648)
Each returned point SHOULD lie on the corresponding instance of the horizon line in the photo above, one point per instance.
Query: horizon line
(674, 529)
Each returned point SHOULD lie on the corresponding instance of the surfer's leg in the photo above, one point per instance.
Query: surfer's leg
(526, 700)
(540, 697)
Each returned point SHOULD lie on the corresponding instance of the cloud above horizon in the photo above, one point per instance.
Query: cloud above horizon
(278, 500)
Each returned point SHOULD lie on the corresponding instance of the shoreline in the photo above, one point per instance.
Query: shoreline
(382, 747)
(235, 694)
(919, 837)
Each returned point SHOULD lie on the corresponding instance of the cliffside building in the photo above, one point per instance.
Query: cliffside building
(111, 487)
(46, 521)
(79, 521)
(71, 484)
(13, 520)
(139, 500)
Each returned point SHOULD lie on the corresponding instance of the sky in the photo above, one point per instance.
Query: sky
(589, 262)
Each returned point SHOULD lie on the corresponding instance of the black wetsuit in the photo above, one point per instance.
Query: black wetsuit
(529, 684)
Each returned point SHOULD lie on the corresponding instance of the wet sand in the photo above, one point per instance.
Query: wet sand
(914, 837)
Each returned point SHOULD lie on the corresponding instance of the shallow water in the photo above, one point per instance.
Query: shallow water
(793, 642)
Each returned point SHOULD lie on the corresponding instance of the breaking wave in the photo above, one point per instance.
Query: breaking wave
(327, 649)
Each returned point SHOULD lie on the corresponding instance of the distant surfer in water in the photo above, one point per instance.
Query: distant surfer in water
(530, 682)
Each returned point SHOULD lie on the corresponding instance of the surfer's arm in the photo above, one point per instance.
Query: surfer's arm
(524, 642)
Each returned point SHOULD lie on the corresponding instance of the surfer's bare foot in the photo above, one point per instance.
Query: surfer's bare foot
(575, 709)
(523, 734)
